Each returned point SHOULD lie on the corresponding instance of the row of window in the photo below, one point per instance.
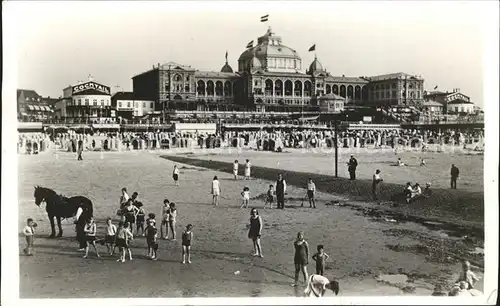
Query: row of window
(393, 95)
(288, 102)
(87, 101)
(394, 85)
(136, 104)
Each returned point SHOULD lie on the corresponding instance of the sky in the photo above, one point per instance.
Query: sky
(60, 43)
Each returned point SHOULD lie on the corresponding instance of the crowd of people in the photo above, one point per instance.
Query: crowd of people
(277, 140)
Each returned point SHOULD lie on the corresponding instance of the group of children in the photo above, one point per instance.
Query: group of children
(270, 194)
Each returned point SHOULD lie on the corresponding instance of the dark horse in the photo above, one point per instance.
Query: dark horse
(62, 207)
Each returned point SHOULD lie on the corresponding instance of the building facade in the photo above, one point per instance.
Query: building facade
(269, 78)
(459, 106)
(86, 102)
(128, 107)
(31, 106)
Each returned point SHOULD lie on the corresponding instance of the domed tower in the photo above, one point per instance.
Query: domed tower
(315, 67)
(272, 55)
(226, 67)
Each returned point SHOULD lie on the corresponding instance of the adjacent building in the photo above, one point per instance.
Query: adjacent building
(32, 106)
(453, 102)
(87, 101)
(270, 78)
(127, 106)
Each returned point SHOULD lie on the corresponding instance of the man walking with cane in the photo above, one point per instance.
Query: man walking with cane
(280, 189)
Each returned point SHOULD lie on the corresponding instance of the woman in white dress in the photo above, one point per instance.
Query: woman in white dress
(248, 166)
(235, 169)
(215, 191)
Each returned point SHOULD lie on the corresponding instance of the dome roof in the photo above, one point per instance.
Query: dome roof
(269, 45)
(226, 68)
(315, 66)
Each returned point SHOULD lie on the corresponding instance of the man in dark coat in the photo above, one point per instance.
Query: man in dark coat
(280, 190)
(351, 167)
(80, 149)
(454, 176)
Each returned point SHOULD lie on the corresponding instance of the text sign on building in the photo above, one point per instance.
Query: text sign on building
(367, 119)
(91, 86)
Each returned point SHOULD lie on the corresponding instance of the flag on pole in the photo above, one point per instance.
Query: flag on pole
(264, 18)
(436, 87)
(250, 44)
(312, 48)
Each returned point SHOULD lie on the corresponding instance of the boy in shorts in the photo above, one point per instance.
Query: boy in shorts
(29, 233)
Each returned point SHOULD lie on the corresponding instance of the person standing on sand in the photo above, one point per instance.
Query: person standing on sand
(80, 150)
(175, 175)
(235, 169)
(215, 191)
(248, 166)
(255, 232)
(454, 176)
(351, 167)
(376, 181)
(311, 191)
(301, 258)
(280, 190)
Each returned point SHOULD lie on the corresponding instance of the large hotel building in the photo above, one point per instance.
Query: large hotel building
(270, 78)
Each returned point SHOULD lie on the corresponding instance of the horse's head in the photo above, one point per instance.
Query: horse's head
(39, 195)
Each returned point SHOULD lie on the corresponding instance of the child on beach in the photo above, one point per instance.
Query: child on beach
(320, 257)
(175, 175)
(123, 238)
(90, 230)
(235, 169)
(151, 235)
(187, 238)
(245, 197)
(29, 233)
(165, 211)
(270, 197)
(215, 191)
(255, 232)
(172, 216)
(109, 238)
(311, 191)
(141, 215)
(300, 258)
(466, 275)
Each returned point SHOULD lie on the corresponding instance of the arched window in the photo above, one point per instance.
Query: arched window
(298, 88)
(218, 89)
(177, 78)
(228, 88)
(350, 92)
(201, 88)
(288, 88)
(357, 92)
(342, 91)
(307, 88)
(269, 87)
(335, 89)
(278, 88)
(210, 88)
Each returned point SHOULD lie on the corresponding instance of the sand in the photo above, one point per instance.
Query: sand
(358, 246)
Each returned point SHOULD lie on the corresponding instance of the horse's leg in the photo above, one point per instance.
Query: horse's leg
(52, 226)
(59, 226)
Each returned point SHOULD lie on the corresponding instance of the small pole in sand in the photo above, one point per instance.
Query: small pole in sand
(336, 147)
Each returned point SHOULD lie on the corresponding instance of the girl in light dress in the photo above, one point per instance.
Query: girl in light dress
(248, 166)
(215, 191)
(245, 194)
